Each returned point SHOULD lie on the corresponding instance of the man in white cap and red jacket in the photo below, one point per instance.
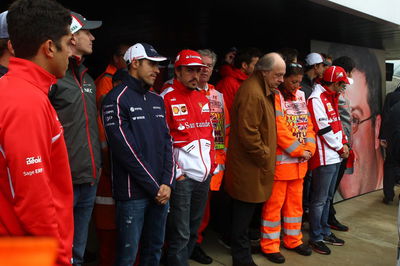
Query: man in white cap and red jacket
(332, 147)
(188, 117)
(74, 99)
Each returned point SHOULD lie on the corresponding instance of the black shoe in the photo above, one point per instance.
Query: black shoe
(302, 249)
(388, 201)
(275, 257)
(200, 256)
(336, 225)
(333, 240)
(320, 247)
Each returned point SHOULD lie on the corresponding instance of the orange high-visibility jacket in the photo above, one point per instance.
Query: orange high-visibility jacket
(295, 134)
(105, 205)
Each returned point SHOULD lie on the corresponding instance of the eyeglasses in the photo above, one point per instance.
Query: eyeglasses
(356, 122)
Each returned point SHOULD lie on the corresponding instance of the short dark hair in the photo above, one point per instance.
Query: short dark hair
(245, 56)
(32, 22)
(345, 62)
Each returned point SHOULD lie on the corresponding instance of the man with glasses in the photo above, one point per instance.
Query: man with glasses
(220, 122)
(365, 96)
(332, 146)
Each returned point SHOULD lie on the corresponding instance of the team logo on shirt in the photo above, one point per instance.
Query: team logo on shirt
(204, 108)
(179, 109)
(181, 127)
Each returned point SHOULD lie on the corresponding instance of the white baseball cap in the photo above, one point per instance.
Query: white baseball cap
(315, 58)
(3, 25)
(142, 51)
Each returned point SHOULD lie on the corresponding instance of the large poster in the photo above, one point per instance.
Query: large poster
(365, 96)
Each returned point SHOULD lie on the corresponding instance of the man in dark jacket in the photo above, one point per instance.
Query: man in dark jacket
(74, 98)
(142, 162)
(393, 136)
(391, 166)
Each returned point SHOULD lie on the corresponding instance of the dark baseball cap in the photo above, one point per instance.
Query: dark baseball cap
(79, 22)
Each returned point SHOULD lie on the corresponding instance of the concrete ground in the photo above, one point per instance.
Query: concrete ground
(371, 240)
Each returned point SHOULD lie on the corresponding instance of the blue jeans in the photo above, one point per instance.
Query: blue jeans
(323, 188)
(84, 196)
(188, 201)
(143, 221)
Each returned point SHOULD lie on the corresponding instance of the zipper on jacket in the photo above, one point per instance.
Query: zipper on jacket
(198, 139)
(79, 82)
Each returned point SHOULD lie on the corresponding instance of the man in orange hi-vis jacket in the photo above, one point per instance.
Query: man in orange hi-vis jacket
(295, 145)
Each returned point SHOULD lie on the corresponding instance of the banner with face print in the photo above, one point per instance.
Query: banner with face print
(365, 96)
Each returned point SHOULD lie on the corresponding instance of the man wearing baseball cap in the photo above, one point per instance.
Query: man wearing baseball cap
(314, 68)
(188, 117)
(141, 157)
(74, 98)
(5, 45)
(332, 147)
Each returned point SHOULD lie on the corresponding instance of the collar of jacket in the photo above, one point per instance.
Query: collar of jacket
(182, 88)
(333, 95)
(32, 73)
(288, 95)
(137, 85)
(76, 62)
(257, 75)
(306, 79)
(238, 74)
(111, 69)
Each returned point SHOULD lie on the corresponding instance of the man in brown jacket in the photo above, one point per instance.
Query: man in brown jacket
(251, 154)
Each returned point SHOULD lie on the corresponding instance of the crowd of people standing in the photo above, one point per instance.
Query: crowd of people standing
(258, 154)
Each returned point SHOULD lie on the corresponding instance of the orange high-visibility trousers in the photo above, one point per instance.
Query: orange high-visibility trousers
(286, 198)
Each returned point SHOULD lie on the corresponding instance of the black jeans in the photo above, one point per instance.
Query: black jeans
(391, 174)
(242, 215)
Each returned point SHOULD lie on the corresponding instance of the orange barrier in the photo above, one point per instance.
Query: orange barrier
(23, 251)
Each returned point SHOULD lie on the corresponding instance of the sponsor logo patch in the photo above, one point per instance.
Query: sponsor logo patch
(33, 160)
(179, 109)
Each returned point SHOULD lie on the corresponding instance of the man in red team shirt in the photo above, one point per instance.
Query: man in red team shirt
(35, 186)
(188, 117)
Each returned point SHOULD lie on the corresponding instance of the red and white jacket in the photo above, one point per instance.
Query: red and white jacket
(330, 137)
(188, 117)
(36, 197)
